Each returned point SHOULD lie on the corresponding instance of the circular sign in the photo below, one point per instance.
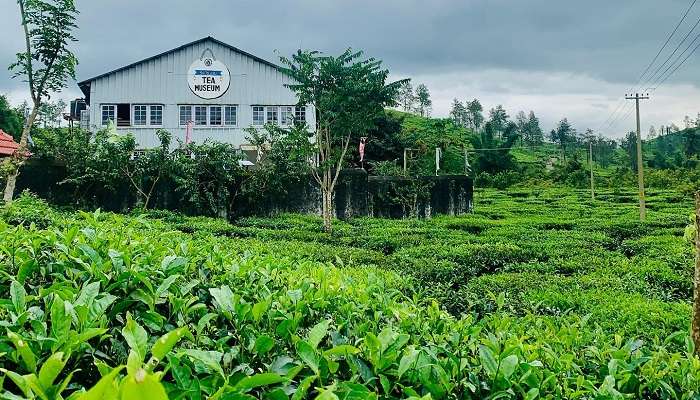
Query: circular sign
(208, 78)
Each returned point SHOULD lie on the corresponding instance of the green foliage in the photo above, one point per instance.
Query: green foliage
(499, 139)
(423, 99)
(94, 163)
(283, 161)
(348, 93)
(422, 135)
(561, 298)
(564, 136)
(404, 190)
(208, 176)
(47, 63)
(11, 119)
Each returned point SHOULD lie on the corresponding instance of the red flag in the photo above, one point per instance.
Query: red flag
(362, 148)
(188, 132)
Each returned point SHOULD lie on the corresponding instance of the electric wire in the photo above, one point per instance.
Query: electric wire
(618, 114)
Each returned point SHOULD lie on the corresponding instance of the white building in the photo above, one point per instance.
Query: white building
(206, 89)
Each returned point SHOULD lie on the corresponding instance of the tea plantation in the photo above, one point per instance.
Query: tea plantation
(537, 294)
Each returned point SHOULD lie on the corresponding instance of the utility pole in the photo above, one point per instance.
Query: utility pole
(640, 163)
(590, 163)
(695, 322)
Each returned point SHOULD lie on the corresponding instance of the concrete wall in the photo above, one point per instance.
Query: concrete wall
(360, 195)
(356, 195)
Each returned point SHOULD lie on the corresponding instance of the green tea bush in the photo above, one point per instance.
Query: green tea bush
(27, 210)
(549, 295)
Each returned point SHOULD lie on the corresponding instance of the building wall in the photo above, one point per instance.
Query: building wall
(164, 81)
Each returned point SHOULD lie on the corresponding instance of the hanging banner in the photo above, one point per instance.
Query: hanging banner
(363, 141)
(208, 77)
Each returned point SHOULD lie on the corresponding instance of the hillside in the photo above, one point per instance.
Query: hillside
(671, 160)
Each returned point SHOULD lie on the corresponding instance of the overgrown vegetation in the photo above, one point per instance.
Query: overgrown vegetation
(503, 153)
(596, 307)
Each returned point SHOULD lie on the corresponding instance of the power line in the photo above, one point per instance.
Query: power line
(510, 148)
(620, 117)
(653, 75)
(613, 117)
(668, 39)
(680, 64)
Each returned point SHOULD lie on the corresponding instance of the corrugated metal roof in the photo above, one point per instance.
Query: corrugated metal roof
(8, 146)
(85, 84)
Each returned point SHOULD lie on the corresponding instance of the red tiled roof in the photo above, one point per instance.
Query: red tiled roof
(7, 144)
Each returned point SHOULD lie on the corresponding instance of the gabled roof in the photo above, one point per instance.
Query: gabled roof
(85, 84)
(8, 146)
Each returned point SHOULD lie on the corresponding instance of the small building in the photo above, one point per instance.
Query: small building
(203, 90)
(8, 146)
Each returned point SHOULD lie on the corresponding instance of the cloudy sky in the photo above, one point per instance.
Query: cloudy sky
(573, 59)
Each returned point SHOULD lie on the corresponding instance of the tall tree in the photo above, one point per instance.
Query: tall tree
(476, 118)
(499, 119)
(691, 143)
(604, 148)
(498, 160)
(349, 93)
(629, 144)
(406, 97)
(563, 136)
(45, 64)
(458, 113)
(652, 133)
(535, 134)
(588, 136)
(521, 123)
(423, 98)
(51, 113)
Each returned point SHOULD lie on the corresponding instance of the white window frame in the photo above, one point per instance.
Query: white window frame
(133, 114)
(300, 111)
(235, 115)
(260, 109)
(287, 114)
(179, 115)
(221, 115)
(206, 114)
(275, 112)
(114, 114)
(150, 114)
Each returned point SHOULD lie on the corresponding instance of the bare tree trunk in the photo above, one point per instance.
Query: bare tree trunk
(20, 155)
(327, 201)
(695, 327)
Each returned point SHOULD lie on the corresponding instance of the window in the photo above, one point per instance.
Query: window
(200, 115)
(300, 114)
(108, 113)
(230, 117)
(124, 114)
(156, 117)
(214, 115)
(185, 114)
(272, 115)
(286, 115)
(140, 113)
(258, 115)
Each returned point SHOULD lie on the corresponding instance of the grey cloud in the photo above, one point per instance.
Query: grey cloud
(599, 42)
